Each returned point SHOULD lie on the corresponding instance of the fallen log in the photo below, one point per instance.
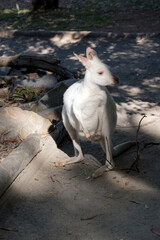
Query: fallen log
(36, 61)
(20, 59)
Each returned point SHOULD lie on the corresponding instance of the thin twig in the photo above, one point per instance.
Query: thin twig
(52, 179)
(92, 217)
(136, 162)
(150, 143)
(9, 229)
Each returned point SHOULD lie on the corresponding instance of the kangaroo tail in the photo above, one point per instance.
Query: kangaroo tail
(118, 149)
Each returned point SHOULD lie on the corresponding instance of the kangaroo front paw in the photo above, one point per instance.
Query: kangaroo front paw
(88, 136)
(97, 137)
(60, 163)
(99, 172)
(98, 133)
(68, 161)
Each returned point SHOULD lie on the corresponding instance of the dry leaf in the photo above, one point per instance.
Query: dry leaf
(52, 179)
(126, 183)
(110, 195)
(26, 136)
(10, 140)
(90, 218)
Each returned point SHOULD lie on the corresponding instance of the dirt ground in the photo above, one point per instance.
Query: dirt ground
(65, 203)
(136, 21)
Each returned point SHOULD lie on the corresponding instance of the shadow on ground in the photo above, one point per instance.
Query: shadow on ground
(65, 203)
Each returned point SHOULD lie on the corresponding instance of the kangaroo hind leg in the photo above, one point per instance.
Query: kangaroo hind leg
(76, 144)
(109, 164)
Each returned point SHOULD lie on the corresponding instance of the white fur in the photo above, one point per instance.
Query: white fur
(89, 111)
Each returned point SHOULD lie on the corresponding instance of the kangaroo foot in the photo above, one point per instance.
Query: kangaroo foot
(100, 171)
(68, 161)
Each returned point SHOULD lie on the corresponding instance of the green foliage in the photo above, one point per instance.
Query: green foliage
(86, 16)
(24, 94)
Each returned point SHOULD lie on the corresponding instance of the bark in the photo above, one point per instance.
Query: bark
(42, 62)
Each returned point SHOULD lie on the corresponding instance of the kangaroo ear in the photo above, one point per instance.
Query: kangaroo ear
(90, 53)
(83, 60)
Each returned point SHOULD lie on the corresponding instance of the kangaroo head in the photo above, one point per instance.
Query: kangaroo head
(97, 71)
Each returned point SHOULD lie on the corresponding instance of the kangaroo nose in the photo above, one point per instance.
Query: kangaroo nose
(115, 79)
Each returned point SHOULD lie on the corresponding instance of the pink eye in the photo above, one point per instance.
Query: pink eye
(100, 73)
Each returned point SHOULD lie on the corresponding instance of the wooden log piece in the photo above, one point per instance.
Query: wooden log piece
(36, 61)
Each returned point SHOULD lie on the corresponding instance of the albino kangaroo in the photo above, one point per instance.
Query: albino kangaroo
(89, 111)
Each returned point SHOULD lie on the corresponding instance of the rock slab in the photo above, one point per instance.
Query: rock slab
(18, 160)
(15, 122)
(47, 81)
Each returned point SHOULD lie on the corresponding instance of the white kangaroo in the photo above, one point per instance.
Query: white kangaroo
(89, 112)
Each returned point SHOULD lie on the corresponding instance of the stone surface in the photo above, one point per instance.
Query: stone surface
(16, 122)
(3, 92)
(18, 160)
(1, 102)
(4, 71)
(55, 96)
(52, 113)
(47, 81)
(51, 99)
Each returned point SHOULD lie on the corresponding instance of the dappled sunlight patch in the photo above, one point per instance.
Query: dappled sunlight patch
(111, 48)
(130, 90)
(124, 55)
(129, 113)
(69, 37)
(141, 40)
(92, 44)
(150, 122)
(46, 50)
(149, 44)
(127, 182)
(152, 83)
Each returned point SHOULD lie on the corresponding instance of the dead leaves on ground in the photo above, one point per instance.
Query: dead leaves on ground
(7, 146)
(90, 218)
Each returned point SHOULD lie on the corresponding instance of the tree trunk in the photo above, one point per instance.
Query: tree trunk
(46, 4)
